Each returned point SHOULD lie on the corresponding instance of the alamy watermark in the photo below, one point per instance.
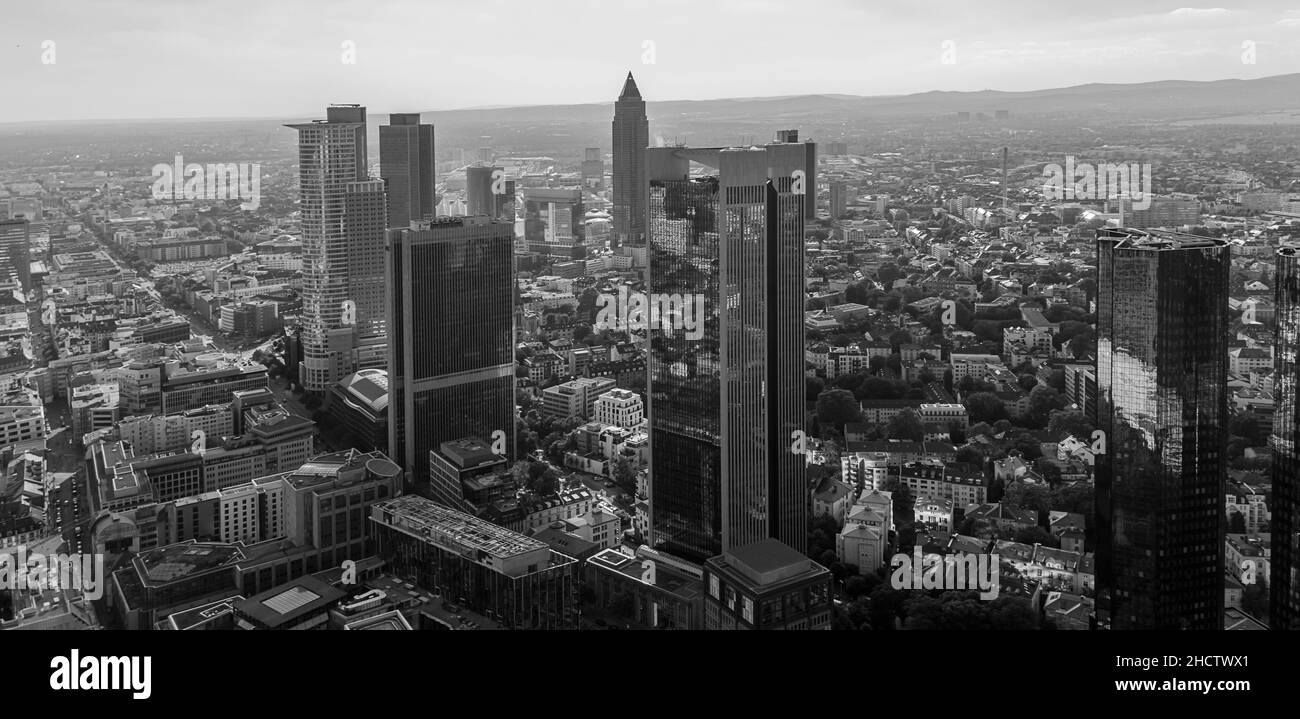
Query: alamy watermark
(73, 672)
(952, 572)
(214, 181)
(20, 571)
(1105, 181)
(629, 311)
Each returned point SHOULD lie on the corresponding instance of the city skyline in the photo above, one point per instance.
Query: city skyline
(661, 383)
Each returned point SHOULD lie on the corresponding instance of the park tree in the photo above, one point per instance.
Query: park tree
(906, 425)
(1246, 426)
(1083, 344)
(838, 407)
(904, 501)
(1036, 496)
(813, 387)
(1070, 421)
(859, 293)
(985, 407)
(1036, 535)
(1044, 400)
(1236, 523)
(1077, 497)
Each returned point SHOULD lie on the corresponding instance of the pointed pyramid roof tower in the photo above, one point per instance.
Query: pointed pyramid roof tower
(630, 90)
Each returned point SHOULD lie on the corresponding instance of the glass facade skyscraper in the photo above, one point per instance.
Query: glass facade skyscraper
(553, 221)
(1162, 405)
(406, 165)
(451, 372)
(479, 195)
(724, 404)
(1284, 587)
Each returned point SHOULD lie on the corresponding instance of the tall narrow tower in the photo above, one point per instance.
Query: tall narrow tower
(451, 373)
(406, 165)
(725, 398)
(343, 221)
(631, 138)
(1162, 361)
(1284, 579)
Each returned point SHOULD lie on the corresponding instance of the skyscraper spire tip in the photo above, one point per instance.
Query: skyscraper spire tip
(629, 88)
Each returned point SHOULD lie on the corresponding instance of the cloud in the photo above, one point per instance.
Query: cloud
(1199, 13)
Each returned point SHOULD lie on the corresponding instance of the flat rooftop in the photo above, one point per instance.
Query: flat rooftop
(1128, 238)
(468, 452)
(287, 602)
(766, 565)
(329, 467)
(177, 561)
(422, 516)
(204, 613)
(667, 577)
(392, 621)
(769, 555)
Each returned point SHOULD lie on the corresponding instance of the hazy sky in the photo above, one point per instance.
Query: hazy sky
(284, 58)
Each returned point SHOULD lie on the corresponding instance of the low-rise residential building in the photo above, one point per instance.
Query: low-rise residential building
(832, 499)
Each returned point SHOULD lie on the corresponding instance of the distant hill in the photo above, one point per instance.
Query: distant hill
(1163, 100)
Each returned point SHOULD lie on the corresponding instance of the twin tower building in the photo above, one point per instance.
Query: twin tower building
(388, 284)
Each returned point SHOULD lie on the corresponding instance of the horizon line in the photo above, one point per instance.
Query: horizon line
(487, 108)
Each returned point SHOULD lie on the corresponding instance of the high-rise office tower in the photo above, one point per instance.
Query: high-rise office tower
(553, 221)
(839, 199)
(343, 222)
(488, 192)
(1162, 362)
(725, 395)
(593, 169)
(406, 166)
(631, 138)
(809, 168)
(15, 250)
(451, 373)
(1284, 567)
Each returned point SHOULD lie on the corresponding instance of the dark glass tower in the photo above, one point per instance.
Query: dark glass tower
(553, 221)
(723, 405)
(1284, 584)
(809, 168)
(631, 138)
(479, 195)
(406, 165)
(451, 372)
(1162, 402)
